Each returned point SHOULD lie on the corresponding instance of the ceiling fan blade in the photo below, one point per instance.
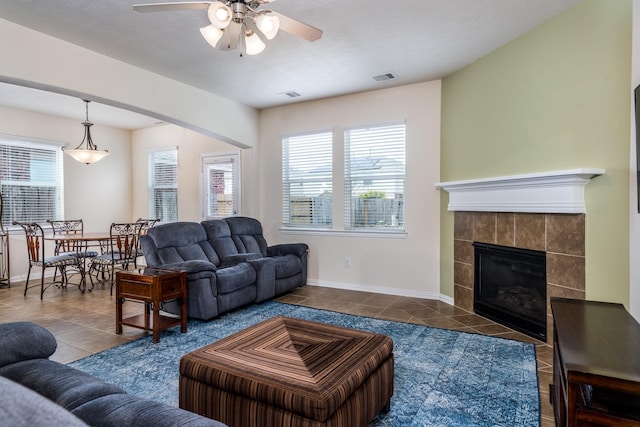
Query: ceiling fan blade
(230, 37)
(166, 7)
(298, 28)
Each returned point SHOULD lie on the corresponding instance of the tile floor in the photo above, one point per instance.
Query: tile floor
(84, 324)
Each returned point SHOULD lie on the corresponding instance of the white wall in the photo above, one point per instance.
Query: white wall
(404, 266)
(191, 147)
(37, 60)
(634, 216)
(99, 193)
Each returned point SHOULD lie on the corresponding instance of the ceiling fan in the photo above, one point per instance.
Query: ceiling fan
(239, 21)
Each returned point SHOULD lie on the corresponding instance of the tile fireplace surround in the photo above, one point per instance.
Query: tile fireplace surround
(543, 212)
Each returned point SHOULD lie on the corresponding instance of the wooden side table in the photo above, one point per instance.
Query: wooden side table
(596, 374)
(151, 286)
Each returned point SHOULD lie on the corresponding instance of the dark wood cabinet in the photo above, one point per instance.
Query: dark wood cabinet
(151, 287)
(596, 366)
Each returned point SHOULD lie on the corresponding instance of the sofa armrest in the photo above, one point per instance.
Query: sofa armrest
(265, 278)
(25, 341)
(149, 251)
(190, 266)
(238, 258)
(23, 407)
(298, 249)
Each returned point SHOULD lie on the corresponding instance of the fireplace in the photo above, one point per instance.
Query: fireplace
(538, 211)
(510, 287)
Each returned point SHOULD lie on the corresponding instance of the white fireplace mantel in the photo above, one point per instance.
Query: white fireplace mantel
(545, 192)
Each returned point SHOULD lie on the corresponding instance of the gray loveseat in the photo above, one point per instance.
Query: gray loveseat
(36, 391)
(228, 263)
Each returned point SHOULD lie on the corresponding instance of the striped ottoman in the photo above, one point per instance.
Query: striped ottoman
(290, 372)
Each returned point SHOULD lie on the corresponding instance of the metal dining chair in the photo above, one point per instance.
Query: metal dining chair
(36, 252)
(121, 252)
(68, 227)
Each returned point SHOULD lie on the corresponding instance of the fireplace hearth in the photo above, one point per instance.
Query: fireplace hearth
(510, 287)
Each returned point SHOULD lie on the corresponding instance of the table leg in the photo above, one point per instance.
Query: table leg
(183, 315)
(119, 303)
(156, 322)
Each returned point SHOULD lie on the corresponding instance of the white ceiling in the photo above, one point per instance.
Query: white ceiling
(416, 40)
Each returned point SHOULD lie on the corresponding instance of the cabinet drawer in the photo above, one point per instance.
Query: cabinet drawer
(140, 289)
(170, 286)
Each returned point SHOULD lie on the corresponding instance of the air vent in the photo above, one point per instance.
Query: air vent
(385, 77)
(291, 94)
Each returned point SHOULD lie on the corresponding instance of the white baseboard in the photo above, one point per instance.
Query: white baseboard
(382, 290)
(338, 285)
(35, 276)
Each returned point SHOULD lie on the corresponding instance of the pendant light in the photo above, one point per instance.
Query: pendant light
(90, 154)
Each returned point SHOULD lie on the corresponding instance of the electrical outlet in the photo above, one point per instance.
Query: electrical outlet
(347, 262)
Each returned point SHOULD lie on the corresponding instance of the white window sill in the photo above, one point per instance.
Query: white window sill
(384, 234)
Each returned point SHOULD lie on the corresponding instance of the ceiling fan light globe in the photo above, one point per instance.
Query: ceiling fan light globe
(219, 15)
(211, 34)
(253, 44)
(268, 25)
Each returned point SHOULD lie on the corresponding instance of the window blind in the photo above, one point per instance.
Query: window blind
(31, 177)
(374, 177)
(162, 167)
(307, 179)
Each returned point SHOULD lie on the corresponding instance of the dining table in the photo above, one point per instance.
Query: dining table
(82, 242)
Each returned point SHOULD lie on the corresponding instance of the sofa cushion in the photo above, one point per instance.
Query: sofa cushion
(25, 340)
(22, 407)
(64, 385)
(128, 410)
(247, 234)
(219, 236)
(181, 241)
(235, 277)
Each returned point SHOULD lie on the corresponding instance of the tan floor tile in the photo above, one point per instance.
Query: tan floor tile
(472, 320)
(490, 329)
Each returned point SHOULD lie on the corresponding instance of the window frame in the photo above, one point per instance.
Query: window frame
(152, 188)
(235, 160)
(350, 219)
(319, 137)
(55, 149)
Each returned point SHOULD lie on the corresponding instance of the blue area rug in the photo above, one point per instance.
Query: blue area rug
(442, 377)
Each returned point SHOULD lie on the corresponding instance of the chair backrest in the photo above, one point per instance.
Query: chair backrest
(124, 240)
(66, 227)
(147, 224)
(35, 240)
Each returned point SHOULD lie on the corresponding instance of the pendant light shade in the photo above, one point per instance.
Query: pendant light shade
(268, 25)
(253, 44)
(219, 14)
(211, 34)
(90, 154)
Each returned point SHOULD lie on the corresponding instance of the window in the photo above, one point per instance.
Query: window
(221, 186)
(31, 179)
(162, 166)
(374, 177)
(307, 179)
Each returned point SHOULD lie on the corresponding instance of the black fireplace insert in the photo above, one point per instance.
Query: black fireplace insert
(510, 287)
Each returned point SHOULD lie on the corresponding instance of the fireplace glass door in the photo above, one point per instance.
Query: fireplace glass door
(510, 287)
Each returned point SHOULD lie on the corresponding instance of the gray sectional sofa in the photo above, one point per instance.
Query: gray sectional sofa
(228, 263)
(37, 391)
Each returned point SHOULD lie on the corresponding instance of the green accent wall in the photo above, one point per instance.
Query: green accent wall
(556, 98)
